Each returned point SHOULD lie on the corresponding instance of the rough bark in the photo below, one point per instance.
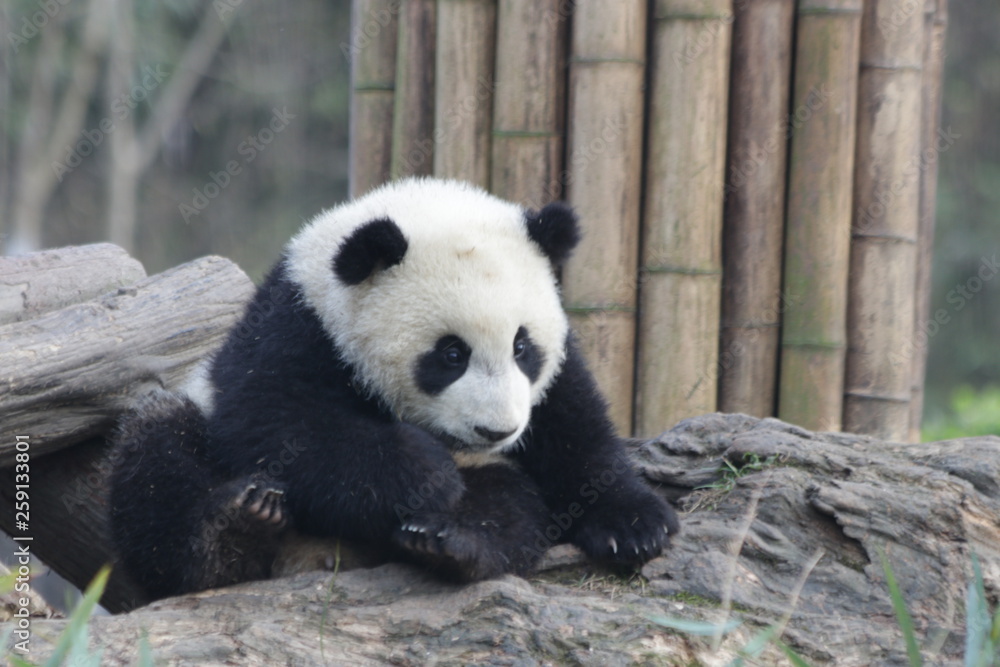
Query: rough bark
(39, 282)
(66, 374)
(745, 546)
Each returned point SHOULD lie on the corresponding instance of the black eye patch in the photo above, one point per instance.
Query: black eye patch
(527, 354)
(442, 365)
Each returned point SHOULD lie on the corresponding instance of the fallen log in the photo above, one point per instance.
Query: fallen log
(65, 375)
(39, 282)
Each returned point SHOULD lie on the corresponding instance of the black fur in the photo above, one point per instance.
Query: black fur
(170, 508)
(529, 357)
(555, 230)
(198, 502)
(486, 534)
(378, 244)
(443, 365)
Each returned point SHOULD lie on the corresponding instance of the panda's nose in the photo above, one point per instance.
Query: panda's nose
(494, 436)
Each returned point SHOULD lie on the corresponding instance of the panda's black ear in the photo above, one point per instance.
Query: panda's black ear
(555, 229)
(375, 245)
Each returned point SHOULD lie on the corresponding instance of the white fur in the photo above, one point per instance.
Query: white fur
(470, 270)
(199, 388)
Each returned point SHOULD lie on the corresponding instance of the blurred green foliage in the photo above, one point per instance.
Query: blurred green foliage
(964, 356)
(970, 412)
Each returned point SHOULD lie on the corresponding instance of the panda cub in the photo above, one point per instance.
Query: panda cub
(404, 379)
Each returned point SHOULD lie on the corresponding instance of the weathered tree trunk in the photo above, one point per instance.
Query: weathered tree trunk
(604, 177)
(681, 263)
(818, 219)
(745, 547)
(34, 284)
(65, 375)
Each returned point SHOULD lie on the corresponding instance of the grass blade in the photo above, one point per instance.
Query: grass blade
(902, 615)
(699, 628)
(80, 617)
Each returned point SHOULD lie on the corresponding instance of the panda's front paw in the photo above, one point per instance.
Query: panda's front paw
(627, 532)
(451, 548)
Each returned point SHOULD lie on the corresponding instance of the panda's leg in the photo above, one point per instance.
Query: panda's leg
(491, 532)
(169, 522)
(239, 534)
(585, 473)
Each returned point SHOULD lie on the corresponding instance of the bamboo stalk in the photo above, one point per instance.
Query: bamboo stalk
(528, 100)
(463, 104)
(372, 51)
(681, 259)
(818, 216)
(413, 114)
(755, 206)
(935, 25)
(884, 231)
(603, 181)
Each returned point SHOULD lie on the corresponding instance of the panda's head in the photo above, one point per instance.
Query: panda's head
(444, 299)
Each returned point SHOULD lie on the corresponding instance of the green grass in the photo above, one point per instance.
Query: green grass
(73, 644)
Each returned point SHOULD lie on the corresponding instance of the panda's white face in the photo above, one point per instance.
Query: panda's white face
(447, 309)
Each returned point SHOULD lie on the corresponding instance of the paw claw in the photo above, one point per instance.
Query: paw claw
(613, 545)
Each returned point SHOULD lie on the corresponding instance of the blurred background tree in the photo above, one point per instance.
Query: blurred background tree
(180, 128)
(963, 369)
(121, 117)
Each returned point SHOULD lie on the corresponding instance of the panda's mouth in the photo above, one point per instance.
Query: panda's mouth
(478, 446)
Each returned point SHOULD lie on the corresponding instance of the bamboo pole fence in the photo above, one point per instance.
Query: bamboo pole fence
(886, 217)
(818, 216)
(755, 181)
(754, 192)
